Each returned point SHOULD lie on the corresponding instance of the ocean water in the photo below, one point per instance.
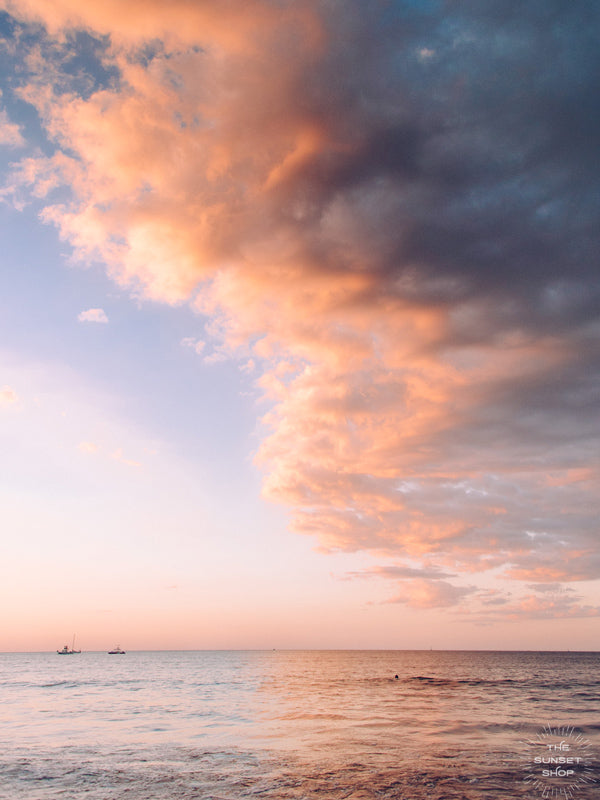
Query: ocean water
(300, 724)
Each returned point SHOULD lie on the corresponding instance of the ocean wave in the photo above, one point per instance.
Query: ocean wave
(172, 774)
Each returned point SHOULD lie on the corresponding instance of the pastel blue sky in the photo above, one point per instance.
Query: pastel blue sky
(299, 325)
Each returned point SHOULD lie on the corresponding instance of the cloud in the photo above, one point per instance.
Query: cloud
(8, 396)
(118, 456)
(10, 134)
(559, 603)
(93, 315)
(536, 608)
(421, 593)
(484, 606)
(88, 447)
(396, 571)
(248, 367)
(225, 24)
(197, 345)
(392, 213)
(91, 448)
(215, 358)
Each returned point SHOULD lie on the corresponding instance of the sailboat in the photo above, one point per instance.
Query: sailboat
(68, 651)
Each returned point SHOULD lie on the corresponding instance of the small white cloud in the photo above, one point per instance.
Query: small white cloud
(196, 344)
(8, 396)
(93, 315)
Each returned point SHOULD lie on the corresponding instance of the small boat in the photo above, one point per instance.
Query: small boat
(68, 651)
(116, 651)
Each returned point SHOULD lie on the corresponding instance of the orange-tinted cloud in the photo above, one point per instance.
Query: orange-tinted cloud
(227, 24)
(421, 328)
(90, 448)
(10, 135)
(428, 588)
(420, 593)
(8, 396)
(557, 605)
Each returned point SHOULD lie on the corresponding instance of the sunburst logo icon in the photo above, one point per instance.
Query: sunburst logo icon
(558, 763)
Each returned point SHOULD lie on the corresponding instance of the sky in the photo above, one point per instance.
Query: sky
(299, 329)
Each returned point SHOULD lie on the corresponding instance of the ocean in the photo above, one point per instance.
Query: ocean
(300, 724)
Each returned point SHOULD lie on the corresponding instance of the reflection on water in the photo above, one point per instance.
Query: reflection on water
(285, 724)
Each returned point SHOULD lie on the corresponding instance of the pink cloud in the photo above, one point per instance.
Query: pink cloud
(421, 593)
(427, 589)
(10, 134)
(559, 608)
(560, 604)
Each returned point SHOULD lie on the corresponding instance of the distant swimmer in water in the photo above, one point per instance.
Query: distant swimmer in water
(395, 677)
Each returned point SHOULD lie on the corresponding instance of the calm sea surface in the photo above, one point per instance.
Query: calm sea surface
(300, 724)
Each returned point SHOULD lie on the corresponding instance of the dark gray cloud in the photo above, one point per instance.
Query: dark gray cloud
(481, 121)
